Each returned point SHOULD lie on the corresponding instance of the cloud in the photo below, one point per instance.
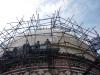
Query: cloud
(86, 11)
(10, 9)
(50, 7)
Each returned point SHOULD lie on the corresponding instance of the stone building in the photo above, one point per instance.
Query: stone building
(51, 46)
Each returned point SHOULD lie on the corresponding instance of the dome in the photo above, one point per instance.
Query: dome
(67, 42)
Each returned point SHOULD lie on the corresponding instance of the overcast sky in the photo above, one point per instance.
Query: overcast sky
(86, 11)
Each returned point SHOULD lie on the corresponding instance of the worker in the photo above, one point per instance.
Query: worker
(37, 45)
(48, 43)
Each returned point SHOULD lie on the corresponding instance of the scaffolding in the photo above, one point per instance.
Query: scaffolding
(47, 52)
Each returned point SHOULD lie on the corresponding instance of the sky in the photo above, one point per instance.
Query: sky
(86, 12)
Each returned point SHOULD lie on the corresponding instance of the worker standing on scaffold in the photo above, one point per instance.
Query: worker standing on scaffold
(47, 43)
(37, 45)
